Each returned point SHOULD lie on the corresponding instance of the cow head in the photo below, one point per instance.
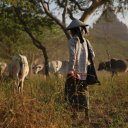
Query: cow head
(102, 66)
(36, 68)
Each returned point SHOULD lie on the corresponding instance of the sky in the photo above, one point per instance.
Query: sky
(95, 16)
(123, 17)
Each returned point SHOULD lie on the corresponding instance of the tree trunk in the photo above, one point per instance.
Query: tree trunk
(36, 42)
(39, 45)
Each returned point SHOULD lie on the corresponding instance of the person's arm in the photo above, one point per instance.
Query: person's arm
(72, 57)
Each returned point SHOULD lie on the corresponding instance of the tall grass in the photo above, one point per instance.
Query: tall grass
(43, 105)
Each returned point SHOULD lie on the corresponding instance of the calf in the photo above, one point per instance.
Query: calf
(18, 70)
(114, 66)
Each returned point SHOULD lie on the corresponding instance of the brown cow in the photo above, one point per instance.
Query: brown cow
(114, 66)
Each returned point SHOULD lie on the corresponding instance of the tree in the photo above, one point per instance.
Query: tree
(9, 35)
(25, 18)
(68, 8)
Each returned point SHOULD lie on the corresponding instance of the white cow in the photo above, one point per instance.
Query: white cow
(64, 67)
(18, 69)
(3, 67)
(37, 68)
(56, 67)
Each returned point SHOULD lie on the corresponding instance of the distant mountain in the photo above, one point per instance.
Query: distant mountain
(108, 26)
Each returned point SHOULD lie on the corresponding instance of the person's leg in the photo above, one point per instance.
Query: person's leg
(87, 105)
(86, 117)
(74, 113)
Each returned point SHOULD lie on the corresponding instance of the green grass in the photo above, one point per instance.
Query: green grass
(43, 105)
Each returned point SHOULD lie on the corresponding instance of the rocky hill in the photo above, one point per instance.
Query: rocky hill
(108, 26)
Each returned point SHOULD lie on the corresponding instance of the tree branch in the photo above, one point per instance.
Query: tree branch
(70, 14)
(61, 24)
(47, 3)
(92, 8)
(78, 5)
(64, 12)
(68, 9)
(50, 14)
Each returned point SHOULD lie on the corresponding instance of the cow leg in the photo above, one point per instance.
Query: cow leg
(20, 87)
(113, 73)
(116, 73)
(17, 81)
(17, 85)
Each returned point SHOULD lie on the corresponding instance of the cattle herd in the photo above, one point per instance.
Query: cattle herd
(18, 68)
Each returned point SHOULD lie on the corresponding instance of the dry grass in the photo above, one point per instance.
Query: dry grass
(43, 105)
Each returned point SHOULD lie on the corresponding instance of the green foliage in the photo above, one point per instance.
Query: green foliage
(28, 12)
(8, 27)
(11, 28)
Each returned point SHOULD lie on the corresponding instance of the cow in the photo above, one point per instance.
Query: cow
(3, 67)
(18, 69)
(37, 68)
(56, 67)
(64, 67)
(114, 66)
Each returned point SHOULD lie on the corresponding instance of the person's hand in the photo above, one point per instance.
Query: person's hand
(73, 73)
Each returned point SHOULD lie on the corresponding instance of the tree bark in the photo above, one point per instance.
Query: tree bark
(92, 8)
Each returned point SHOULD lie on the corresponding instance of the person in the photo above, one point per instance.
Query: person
(76, 89)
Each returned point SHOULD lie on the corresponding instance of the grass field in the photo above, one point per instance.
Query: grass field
(43, 105)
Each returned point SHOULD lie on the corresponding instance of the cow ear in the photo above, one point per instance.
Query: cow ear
(113, 60)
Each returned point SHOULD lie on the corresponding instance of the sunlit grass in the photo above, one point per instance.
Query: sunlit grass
(43, 105)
